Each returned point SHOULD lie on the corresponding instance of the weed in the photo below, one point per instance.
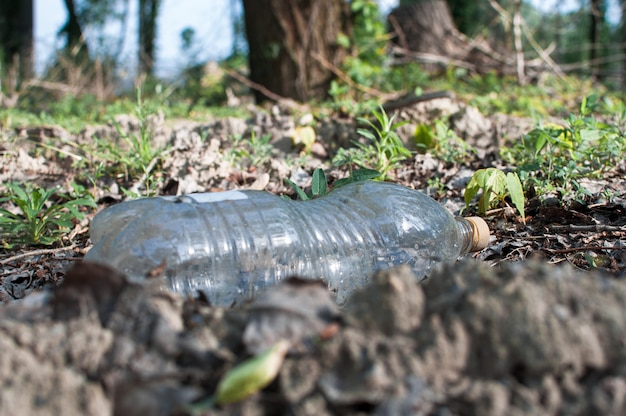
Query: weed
(442, 142)
(319, 183)
(138, 159)
(40, 221)
(141, 149)
(319, 186)
(384, 152)
(437, 185)
(554, 156)
(358, 176)
(496, 186)
(252, 151)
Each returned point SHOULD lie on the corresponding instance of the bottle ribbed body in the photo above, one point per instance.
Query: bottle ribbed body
(232, 245)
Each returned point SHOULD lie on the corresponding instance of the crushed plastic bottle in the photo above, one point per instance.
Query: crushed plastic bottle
(232, 245)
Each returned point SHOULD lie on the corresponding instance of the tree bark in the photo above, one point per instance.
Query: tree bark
(75, 41)
(425, 30)
(596, 19)
(148, 12)
(293, 45)
(16, 37)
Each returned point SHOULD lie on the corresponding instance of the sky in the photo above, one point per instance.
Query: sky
(209, 18)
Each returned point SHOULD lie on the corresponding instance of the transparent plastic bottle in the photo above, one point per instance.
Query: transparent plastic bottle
(232, 245)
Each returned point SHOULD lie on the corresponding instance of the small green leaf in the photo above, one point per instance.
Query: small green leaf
(367, 134)
(252, 375)
(516, 192)
(301, 194)
(590, 135)
(476, 183)
(364, 174)
(495, 189)
(318, 183)
(343, 40)
(358, 175)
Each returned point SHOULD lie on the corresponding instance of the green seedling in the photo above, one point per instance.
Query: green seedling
(246, 378)
(495, 186)
(142, 151)
(384, 152)
(442, 142)
(40, 221)
(319, 183)
(358, 175)
(554, 156)
(319, 186)
(252, 151)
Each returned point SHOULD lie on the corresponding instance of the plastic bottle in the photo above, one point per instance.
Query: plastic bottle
(231, 245)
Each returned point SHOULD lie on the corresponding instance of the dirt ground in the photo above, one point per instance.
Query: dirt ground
(506, 331)
(517, 339)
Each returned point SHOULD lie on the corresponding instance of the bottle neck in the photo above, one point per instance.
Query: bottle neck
(466, 234)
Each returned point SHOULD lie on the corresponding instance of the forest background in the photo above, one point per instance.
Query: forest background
(130, 40)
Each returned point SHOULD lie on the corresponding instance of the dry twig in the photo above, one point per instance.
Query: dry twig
(38, 253)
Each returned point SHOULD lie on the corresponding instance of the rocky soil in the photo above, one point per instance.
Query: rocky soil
(496, 334)
(519, 339)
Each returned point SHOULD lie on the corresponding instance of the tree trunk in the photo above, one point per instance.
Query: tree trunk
(75, 41)
(293, 45)
(16, 37)
(425, 31)
(596, 19)
(427, 27)
(148, 12)
(622, 39)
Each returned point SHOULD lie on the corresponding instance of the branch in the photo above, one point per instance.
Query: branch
(38, 253)
(348, 80)
(262, 89)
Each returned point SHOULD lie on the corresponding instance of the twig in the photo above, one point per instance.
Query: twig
(519, 53)
(399, 32)
(376, 93)
(594, 227)
(258, 87)
(57, 86)
(584, 248)
(542, 52)
(414, 99)
(38, 253)
(434, 58)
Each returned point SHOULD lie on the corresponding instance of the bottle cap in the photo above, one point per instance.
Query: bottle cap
(480, 233)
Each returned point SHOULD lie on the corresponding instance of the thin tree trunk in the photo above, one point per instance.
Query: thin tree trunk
(75, 41)
(597, 18)
(622, 38)
(16, 37)
(148, 12)
(517, 32)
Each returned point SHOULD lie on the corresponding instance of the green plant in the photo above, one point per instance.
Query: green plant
(370, 38)
(384, 152)
(319, 183)
(246, 378)
(554, 156)
(442, 142)
(142, 152)
(252, 151)
(41, 221)
(437, 185)
(319, 186)
(496, 186)
(137, 160)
